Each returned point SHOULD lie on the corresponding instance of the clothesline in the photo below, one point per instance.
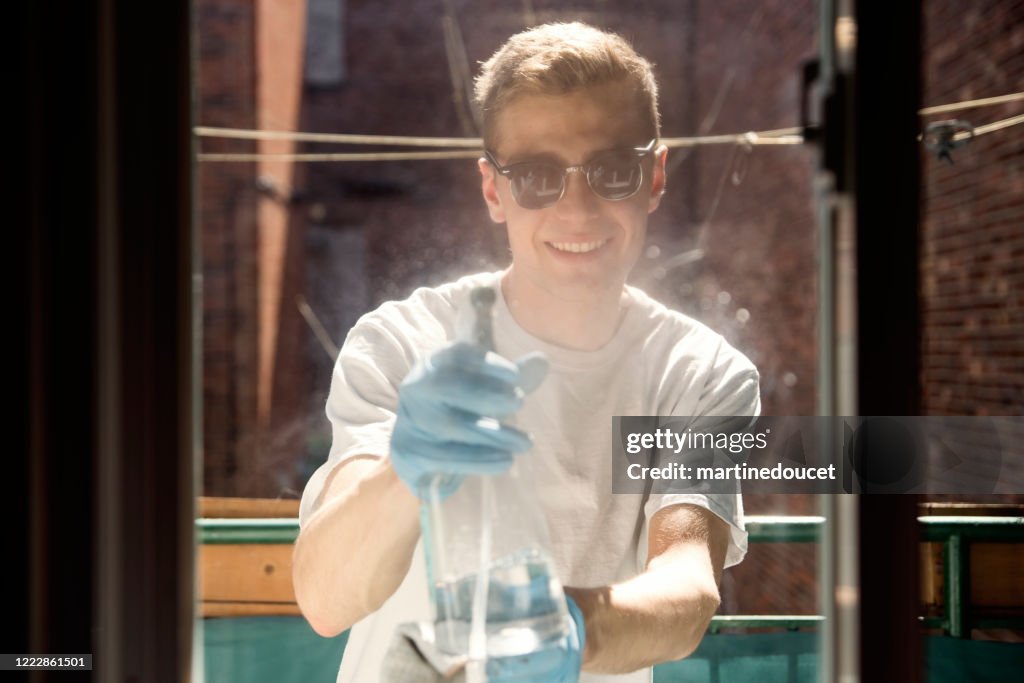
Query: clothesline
(471, 147)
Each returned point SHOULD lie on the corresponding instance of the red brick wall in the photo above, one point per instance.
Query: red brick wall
(255, 376)
(972, 247)
(226, 83)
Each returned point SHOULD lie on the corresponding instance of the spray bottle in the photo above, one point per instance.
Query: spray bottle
(493, 584)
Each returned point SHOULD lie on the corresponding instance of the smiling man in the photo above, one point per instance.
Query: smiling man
(573, 168)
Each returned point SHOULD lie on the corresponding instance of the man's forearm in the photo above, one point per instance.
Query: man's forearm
(658, 616)
(353, 553)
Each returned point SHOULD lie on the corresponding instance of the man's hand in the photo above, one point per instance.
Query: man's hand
(557, 663)
(448, 415)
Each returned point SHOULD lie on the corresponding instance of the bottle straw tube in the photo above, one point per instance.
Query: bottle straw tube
(482, 299)
(476, 668)
(432, 519)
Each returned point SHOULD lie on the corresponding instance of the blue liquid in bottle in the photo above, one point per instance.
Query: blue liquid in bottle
(525, 607)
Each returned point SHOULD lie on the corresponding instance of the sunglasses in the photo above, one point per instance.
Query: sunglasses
(614, 175)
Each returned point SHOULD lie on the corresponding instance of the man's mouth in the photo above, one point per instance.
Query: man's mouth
(579, 247)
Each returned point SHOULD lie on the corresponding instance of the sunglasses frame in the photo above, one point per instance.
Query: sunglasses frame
(507, 171)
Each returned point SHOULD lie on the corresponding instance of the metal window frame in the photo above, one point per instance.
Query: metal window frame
(869, 312)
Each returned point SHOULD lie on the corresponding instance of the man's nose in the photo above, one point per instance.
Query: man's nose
(579, 203)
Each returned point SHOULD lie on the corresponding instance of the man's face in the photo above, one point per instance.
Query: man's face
(583, 243)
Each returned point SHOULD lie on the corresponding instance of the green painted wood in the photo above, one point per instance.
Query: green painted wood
(783, 529)
(955, 559)
(789, 622)
(939, 528)
(761, 529)
(268, 650)
(228, 531)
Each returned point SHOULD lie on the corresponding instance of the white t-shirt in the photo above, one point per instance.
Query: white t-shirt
(660, 362)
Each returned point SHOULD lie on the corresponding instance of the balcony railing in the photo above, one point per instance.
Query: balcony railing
(956, 534)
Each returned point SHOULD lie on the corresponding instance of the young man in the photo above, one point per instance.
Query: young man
(573, 167)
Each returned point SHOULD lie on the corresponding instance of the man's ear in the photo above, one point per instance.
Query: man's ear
(489, 188)
(657, 178)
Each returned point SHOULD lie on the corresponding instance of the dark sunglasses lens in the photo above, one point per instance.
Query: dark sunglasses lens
(536, 186)
(616, 176)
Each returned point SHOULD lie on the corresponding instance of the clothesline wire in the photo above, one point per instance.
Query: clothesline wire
(745, 139)
(342, 156)
(471, 147)
(782, 136)
(971, 104)
(475, 144)
(339, 138)
(992, 127)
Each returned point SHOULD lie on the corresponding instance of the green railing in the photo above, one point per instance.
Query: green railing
(957, 533)
(241, 531)
(285, 529)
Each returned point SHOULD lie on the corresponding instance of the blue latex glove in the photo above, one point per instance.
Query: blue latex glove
(448, 415)
(558, 663)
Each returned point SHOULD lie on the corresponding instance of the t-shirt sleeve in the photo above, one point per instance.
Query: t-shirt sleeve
(361, 403)
(730, 388)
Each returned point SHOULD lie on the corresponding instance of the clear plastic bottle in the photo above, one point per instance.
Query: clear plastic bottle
(494, 522)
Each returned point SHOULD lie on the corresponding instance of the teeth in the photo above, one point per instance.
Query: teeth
(578, 247)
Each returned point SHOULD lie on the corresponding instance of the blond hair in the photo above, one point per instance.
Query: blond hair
(558, 58)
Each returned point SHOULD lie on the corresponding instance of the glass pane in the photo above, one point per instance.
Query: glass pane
(297, 249)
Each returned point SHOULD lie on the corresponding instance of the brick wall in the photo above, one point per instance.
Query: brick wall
(972, 246)
(227, 210)
(253, 244)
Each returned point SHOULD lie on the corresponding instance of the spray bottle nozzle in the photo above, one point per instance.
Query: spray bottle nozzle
(482, 299)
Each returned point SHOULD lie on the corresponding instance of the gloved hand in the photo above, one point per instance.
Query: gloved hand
(559, 663)
(449, 409)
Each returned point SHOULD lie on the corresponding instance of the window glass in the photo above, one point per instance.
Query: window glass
(296, 246)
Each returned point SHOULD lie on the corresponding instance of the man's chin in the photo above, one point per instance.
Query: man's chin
(571, 283)
(584, 285)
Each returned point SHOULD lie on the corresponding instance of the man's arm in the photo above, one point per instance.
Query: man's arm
(661, 614)
(355, 550)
